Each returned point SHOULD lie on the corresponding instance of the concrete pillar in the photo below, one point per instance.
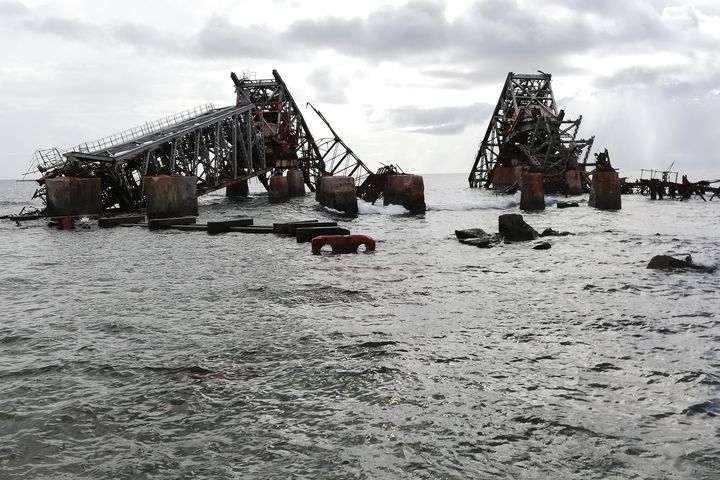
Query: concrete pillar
(239, 189)
(573, 178)
(278, 189)
(605, 190)
(296, 182)
(405, 190)
(337, 193)
(168, 197)
(532, 191)
(504, 177)
(72, 196)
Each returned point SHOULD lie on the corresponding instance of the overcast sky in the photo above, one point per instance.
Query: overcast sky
(408, 83)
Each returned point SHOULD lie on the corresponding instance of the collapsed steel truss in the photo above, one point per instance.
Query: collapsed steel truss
(264, 131)
(526, 129)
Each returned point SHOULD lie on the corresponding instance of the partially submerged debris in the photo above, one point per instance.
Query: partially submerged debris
(667, 262)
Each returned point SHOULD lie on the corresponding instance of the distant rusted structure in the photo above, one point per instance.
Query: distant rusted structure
(261, 136)
(527, 132)
(659, 184)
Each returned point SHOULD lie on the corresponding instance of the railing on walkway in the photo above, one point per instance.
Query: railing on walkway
(53, 157)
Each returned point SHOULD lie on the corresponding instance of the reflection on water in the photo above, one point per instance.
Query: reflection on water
(126, 353)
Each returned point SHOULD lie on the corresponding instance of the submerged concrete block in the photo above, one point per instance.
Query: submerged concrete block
(73, 196)
(278, 189)
(296, 182)
(159, 223)
(532, 191)
(405, 190)
(337, 193)
(239, 189)
(605, 190)
(167, 197)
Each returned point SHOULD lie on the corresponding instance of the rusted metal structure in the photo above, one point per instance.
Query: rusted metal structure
(263, 133)
(659, 184)
(528, 131)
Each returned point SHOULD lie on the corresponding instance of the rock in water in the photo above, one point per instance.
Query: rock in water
(549, 232)
(483, 242)
(542, 246)
(470, 233)
(666, 262)
(514, 229)
(567, 204)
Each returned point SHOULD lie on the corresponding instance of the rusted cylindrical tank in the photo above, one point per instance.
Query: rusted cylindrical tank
(532, 191)
(168, 197)
(405, 190)
(605, 190)
(296, 182)
(573, 178)
(73, 196)
(337, 193)
(239, 189)
(504, 177)
(278, 189)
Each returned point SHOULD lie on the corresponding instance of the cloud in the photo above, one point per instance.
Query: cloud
(219, 38)
(437, 121)
(330, 87)
(12, 9)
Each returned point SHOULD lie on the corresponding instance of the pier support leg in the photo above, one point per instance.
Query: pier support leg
(278, 189)
(605, 191)
(532, 192)
(168, 197)
(73, 196)
(573, 178)
(239, 189)
(296, 183)
(405, 190)
(504, 177)
(337, 193)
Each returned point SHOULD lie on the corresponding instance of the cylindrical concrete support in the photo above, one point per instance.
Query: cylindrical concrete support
(278, 189)
(337, 193)
(296, 182)
(72, 196)
(532, 192)
(573, 178)
(168, 197)
(504, 177)
(239, 189)
(405, 190)
(605, 190)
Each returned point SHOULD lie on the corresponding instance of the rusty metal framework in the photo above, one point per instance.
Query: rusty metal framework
(264, 131)
(526, 129)
(220, 147)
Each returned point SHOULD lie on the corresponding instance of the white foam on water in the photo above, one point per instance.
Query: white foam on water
(499, 203)
(365, 208)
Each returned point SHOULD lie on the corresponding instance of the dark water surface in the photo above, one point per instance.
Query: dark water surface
(126, 353)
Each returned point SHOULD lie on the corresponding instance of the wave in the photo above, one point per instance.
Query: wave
(365, 208)
(500, 203)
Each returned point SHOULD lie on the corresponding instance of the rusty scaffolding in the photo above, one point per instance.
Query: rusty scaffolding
(263, 132)
(527, 130)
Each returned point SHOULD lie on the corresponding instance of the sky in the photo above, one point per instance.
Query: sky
(411, 83)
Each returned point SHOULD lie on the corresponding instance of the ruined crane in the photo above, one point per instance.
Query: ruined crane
(527, 131)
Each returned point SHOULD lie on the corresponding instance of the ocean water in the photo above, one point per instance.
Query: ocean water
(126, 353)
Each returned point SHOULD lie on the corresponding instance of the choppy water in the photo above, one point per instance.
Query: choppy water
(126, 353)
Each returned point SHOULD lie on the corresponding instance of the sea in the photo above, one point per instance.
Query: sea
(127, 353)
